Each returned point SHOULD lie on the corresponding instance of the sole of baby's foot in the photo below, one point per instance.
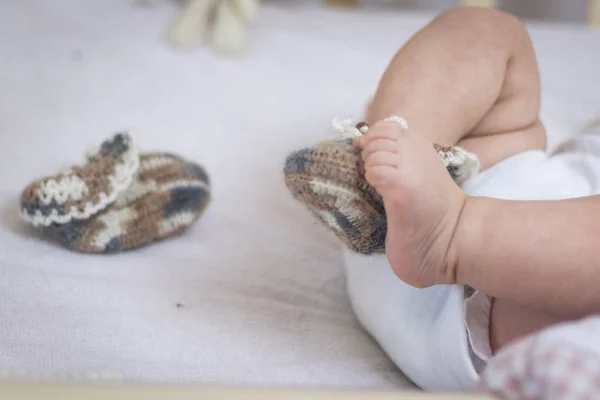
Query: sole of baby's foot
(417, 254)
(422, 202)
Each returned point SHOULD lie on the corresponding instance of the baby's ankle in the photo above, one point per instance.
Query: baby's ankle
(468, 239)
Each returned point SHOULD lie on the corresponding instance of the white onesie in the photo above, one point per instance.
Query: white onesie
(439, 336)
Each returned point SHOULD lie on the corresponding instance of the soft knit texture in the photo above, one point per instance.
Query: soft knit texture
(329, 179)
(82, 191)
(118, 200)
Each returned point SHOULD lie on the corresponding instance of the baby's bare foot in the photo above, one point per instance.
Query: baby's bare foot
(422, 202)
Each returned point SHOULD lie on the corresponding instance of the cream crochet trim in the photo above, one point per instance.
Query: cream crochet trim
(347, 128)
(73, 187)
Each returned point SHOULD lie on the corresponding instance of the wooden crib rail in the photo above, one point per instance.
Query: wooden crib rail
(98, 392)
(478, 3)
(593, 13)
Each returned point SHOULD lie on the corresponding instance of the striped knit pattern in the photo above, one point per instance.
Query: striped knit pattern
(167, 194)
(329, 179)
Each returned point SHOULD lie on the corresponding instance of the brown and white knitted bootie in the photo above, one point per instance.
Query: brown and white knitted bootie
(119, 200)
(329, 179)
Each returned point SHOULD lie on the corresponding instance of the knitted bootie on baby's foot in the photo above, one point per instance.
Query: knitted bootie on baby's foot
(128, 200)
(329, 179)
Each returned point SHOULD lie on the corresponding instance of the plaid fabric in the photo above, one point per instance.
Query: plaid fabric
(163, 196)
(329, 179)
(559, 363)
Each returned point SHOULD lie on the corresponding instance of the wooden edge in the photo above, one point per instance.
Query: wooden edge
(477, 3)
(342, 3)
(467, 3)
(593, 13)
(99, 392)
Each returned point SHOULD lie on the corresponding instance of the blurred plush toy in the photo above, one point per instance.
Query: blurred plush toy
(223, 22)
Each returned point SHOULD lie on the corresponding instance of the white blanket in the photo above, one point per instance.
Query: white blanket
(259, 283)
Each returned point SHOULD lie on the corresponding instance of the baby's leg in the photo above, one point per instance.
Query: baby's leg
(510, 321)
(470, 77)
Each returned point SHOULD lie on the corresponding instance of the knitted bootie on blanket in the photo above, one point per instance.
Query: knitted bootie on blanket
(329, 179)
(118, 200)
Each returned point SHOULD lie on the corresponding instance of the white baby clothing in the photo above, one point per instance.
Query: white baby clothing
(439, 336)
